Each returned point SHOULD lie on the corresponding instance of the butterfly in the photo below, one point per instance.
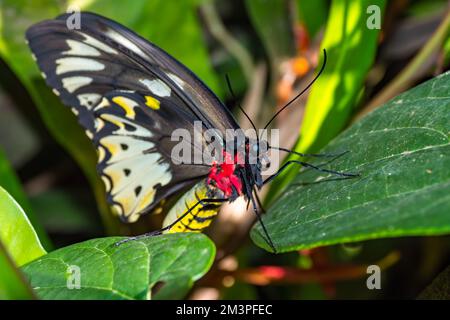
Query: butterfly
(129, 96)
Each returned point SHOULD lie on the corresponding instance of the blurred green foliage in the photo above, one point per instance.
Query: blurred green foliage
(316, 213)
(276, 36)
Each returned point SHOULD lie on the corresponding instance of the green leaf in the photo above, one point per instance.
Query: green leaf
(351, 49)
(128, 271)
(16, 232)
(10, 182)
(402, 152)
(13, 285)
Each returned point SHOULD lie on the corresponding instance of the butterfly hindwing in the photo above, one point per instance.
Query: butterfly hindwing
(136, 168)
(129, 96)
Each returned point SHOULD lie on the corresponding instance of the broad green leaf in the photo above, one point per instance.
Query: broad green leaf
(13, 285)
(16, 231)
(152, 19)
(351, 48)
(402, 152)
(127, 271)
(446, 49)
(10, 182)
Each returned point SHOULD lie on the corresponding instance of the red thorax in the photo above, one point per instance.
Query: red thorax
(222, 175)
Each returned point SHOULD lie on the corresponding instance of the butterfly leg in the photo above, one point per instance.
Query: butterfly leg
(315, 155)
(258, 200)
(160, 231)
(267, 237)
(308, 165)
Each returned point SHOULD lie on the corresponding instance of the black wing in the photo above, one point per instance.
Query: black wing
(129, 95)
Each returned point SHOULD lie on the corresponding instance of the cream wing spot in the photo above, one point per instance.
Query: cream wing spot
(89, 134)
(117, 121)
(122, 179)
(71, 84)
(128, 146)
(101, 154)
(89, 100)
(117, 37)
(120, 122)
(158, 173)
(157, 87)
(97, 44)
(104, 103)
(99, 124)
(77, 64)
(80, 49)
(176, 80)
(118, 210)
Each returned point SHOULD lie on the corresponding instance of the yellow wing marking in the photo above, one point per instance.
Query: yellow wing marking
(125, 104)
(101, 153)
(113, 148)
(113, 120)
(152, 102)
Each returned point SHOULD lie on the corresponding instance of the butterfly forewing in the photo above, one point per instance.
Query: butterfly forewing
(129, 96)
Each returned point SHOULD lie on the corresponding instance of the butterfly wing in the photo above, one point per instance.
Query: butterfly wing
(129, 96)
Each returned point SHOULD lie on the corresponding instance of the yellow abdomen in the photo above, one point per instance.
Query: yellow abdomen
(199, 218)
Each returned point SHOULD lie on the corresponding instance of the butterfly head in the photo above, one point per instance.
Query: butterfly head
(257, 159)
(239, 171)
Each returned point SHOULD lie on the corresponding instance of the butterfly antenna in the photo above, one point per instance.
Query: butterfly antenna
(238, 104)
(303, 91)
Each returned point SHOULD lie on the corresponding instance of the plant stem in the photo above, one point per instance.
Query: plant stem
(233, 46)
